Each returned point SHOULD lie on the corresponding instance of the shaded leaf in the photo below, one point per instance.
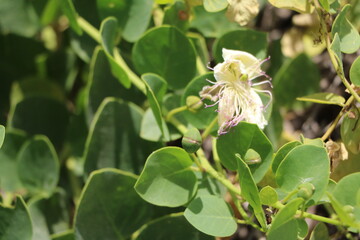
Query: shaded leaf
(324, 98)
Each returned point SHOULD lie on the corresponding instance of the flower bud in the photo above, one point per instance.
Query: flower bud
(252, 157)
(306, 190)
(191, 141)
(193, 103)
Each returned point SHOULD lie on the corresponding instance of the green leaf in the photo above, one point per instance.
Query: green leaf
(238, 141)
(114, 140)
(109, 34)
(282, 152)
(156, 84)
(39, 115)
(2, 135)
(324, 98)
(109, 207)
(215, 5)
(284, 226)
(70, 12)
(167, 179)
(268, 196)
(303, 164)
(49, 215)
(344, 216)
(15, 221)
(302, 6)
(204, 116)
(133, 16)
(355, 72)
(211, 24)
(348, 35)
(350, 131)
(177, 15)
(286, 82)
(172, 227)
(19, 17)
(103, 84)
(325, 4)
(250, 191)
(150, 130)
(167, 52)
(211, 215)
(239, 40)
(345, 189)
(38, 166)
(320, 232)
(9, 178)
(303, 228)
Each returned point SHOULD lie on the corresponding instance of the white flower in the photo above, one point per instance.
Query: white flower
(233, 90)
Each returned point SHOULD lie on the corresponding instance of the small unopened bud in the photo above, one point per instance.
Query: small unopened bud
(306, 190)
(348, 209)
(194, 103)
(191, 141)
(252, 157)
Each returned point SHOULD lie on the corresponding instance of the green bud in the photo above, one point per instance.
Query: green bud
(252, 157)
(348, 209)
(194, 103)
(191, 141)
(306, 190)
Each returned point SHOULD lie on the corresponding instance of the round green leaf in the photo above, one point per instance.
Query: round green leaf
(238, 141)
(211, 24)
(320, 232)
(167, 179)
(114, 140)
(305, 163)
(303, 228)
(211, 215)
(9, 177)
(215, 5)
(240, 40)
(287, 81)
(133, 16)
(109, 207)
(350, 131)
(268, 196)
(348, 34)
(355, 72)
(346, 189)
(15, 222)
(172, 227)
(282, 152)
(204, 116)
(167, 52)
(38, 166)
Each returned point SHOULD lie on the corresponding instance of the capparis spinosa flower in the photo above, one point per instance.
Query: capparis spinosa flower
(234, 91)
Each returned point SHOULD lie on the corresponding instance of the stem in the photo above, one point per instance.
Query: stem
(279, 205)
(175, 111)
(243, 213)
(216, 157)
(337, 119)
(210, 170)
(209, 128)
(290, 195)
(179, 126)
(89, 29)
(196, 160)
